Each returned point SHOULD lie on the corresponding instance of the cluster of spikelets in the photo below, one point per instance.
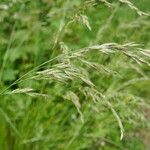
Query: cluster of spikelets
(69, 67)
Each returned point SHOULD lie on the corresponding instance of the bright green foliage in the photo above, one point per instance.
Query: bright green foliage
(74, 74)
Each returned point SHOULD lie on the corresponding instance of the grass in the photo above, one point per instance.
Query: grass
(74, 74)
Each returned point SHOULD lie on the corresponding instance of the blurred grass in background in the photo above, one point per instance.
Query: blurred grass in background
(33, 32)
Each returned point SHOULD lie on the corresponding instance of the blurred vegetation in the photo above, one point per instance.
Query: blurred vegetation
(87, 99)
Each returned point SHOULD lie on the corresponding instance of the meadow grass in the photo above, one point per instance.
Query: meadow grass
(74, 74)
